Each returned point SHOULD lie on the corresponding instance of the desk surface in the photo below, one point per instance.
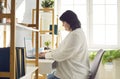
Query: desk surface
(46, 60)
(45, 65)
(40, 60)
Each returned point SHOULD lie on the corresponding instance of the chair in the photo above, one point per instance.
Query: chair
(95, 64)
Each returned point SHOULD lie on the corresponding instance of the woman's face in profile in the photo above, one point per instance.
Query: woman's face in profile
(66, 25)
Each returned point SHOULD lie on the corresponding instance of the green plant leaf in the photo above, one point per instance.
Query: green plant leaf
(92, 55)
(47, 43)
(47, 3)
(108, 56)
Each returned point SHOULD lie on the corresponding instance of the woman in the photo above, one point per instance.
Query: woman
(72, 53)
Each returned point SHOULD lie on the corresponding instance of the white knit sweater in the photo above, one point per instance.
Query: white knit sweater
(72, 56)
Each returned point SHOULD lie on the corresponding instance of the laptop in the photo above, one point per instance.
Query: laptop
(30, 51)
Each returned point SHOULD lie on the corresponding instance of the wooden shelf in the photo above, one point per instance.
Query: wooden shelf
(28, 25)
(4, 74)
(4, 23)
(28, 28)
(5, 15)
(43, 31)
(45, 9)
(12, 73)
(22, 26)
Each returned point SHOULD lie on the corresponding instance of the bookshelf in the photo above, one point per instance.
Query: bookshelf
(43, 30)
(47, 10)
(12, 73)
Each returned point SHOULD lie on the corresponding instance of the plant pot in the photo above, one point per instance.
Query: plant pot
(116, 63)
(46, 48)
(108, 70)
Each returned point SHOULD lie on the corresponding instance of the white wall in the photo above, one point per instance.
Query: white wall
(21, 34)
(24, 10)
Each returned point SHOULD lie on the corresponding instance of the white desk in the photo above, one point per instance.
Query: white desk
(45, 65)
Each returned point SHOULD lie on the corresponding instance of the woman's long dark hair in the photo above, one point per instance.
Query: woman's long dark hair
(71, 18)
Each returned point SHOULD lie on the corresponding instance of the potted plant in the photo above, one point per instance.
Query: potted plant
(111, 55)
(110, 62)
(114, 58)
(108, 56)
(47, 43)
(47, 3)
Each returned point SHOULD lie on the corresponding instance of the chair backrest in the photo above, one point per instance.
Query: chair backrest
(95, 64)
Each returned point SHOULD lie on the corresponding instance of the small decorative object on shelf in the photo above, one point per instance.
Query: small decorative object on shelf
(55, 29)
(47, 43)
(47, 3)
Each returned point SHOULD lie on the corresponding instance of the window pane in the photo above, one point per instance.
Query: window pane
(66, 2)
(111, 34)
(98, 14)
(79, 7)
(98, 34)
(81, 13)
(79, 1)
(64, 8)
(98, 1)
(111, 14)
(111, 1)
(84, 27)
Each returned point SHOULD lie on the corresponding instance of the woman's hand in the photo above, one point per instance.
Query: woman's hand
(42, 54)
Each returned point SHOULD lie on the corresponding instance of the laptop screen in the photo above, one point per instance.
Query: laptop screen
(29, 49)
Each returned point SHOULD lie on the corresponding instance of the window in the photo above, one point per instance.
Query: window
(99, 19)
(104, 32)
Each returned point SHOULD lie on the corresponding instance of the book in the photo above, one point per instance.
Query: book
(55, 29)
(20, 56)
